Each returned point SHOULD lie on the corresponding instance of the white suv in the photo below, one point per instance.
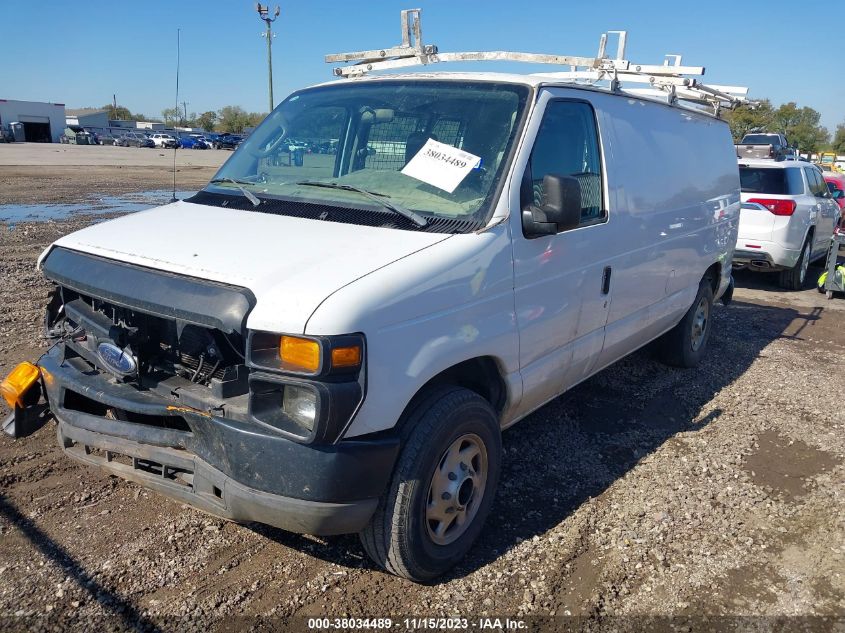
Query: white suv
(791, 223)
(164, 140)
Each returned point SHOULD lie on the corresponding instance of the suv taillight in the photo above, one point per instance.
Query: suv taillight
(778, 207)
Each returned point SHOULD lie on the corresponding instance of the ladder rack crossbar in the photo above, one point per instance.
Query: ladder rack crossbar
(389, 59)
(669, 79)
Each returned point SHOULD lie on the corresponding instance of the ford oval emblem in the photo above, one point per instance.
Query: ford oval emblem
(115, 359)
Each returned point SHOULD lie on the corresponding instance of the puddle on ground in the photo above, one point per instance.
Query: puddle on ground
(12, 214)
(786, 465)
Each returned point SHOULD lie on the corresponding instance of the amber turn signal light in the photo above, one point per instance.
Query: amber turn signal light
(346, 356)
(300, 354)
(17, 383)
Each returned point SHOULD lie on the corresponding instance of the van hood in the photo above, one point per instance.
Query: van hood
(290, 264)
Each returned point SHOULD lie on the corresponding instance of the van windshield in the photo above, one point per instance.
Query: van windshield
(364, 135)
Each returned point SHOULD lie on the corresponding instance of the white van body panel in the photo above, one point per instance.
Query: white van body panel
(669, 218)
(425, 313)
(289, 264)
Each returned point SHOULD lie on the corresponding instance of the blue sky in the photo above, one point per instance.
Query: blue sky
(80, 53)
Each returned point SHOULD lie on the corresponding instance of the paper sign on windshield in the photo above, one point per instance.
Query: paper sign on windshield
(441, 165)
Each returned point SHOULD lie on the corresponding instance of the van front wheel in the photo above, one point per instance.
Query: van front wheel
(442, 487)
(685, 344)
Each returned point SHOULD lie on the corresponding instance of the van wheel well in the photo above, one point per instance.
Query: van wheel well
(480, 375)
(714, 274)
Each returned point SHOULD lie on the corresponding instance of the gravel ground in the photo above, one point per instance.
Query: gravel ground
(647, 496)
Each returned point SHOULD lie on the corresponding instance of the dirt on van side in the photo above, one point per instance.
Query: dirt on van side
(646, 495)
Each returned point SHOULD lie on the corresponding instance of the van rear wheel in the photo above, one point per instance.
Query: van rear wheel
(685, 344)
(442, 488)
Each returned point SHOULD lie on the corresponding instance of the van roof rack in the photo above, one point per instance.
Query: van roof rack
(665, 80)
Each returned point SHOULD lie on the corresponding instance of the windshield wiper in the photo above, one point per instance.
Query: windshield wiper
(249, 195)
(378, 197)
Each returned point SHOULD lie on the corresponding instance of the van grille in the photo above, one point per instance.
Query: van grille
(161, 346)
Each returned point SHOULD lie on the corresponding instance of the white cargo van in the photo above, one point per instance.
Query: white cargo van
(334, 345)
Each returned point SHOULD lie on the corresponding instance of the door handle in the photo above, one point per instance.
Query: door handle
(605, 280)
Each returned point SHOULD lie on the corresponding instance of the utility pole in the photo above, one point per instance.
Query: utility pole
(264, 14)
(185, 107)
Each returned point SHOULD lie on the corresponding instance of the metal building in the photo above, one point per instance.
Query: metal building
(87, 117)
(42, 122)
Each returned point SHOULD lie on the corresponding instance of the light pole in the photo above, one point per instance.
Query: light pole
(264, 14)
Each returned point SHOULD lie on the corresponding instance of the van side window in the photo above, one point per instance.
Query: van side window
(567, 144)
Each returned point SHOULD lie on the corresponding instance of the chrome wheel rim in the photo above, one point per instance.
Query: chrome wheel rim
(456, 489)
(699, 323)
(805, 265)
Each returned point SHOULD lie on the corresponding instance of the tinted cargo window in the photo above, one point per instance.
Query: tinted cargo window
(567, 145)
(773, 180)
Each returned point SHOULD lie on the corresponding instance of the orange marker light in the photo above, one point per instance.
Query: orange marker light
(300, 354)
(346, 356)
(18, 382)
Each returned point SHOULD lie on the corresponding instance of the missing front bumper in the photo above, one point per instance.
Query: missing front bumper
(227, 467)
(188, 479)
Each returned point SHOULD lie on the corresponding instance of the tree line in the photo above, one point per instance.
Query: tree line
(801, 125)
(226, 119)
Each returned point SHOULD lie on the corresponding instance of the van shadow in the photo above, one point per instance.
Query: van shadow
(575, 447)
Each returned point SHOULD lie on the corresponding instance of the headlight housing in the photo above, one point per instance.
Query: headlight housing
(306, 387)
(306, 355)
(300, 404)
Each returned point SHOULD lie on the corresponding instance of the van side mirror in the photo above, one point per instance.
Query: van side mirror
(560, 210)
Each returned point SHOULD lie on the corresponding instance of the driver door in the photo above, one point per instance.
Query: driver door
(563, 281)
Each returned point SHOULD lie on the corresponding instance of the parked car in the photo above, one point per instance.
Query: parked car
(193, 141)
(794, 226)
(211, 138)
(326, 147)
(764, 145)
(106, 139)
(228, 141)
(335, 348)
(134, 139)
(161, 139)
(836, 185)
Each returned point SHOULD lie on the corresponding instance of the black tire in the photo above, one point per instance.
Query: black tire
(686, 343)
(398, 536)
(794, 278)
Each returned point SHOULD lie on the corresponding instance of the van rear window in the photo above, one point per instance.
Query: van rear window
(777, 181)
